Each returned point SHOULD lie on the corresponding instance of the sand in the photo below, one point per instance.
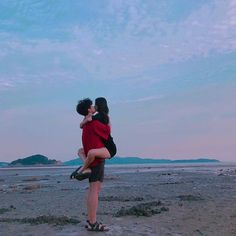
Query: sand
(135, 200)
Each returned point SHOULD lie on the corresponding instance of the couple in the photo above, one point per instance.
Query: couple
(98, 145)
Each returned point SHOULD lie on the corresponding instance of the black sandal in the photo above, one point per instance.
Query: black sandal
(86, 226)
(98, 227)
(72, 176)
(80, 176)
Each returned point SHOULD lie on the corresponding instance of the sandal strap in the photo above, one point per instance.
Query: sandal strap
(75, 172)
(96, 226)
(87, 221)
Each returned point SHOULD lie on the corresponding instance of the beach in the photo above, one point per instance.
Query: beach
(197, 199)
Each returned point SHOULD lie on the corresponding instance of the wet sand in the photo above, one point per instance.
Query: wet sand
(135, 200)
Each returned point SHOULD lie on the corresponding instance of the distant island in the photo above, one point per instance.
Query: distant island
(40, 160)
(138, 160)
(34, 160)
(3, 164)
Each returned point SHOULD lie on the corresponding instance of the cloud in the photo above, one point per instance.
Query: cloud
(138, 38)
(6, 84)
(137, 100)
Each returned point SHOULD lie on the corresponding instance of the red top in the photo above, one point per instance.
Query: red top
(92, 135)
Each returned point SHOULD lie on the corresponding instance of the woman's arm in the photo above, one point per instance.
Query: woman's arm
(85, 120)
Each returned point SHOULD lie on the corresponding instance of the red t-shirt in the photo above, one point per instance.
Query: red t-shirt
(92, 135)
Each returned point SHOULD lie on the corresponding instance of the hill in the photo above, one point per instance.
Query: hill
(34, 160)
(74, 162)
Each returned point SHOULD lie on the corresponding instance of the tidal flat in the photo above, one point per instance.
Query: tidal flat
(135, 200)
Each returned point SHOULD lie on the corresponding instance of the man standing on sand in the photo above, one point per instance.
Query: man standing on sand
(92, 134)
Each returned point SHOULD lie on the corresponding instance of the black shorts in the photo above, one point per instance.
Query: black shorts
(111, 147)
(112, 150)
(97, 172)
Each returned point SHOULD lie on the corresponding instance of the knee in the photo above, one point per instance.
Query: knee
(95, 189)
(95, 192)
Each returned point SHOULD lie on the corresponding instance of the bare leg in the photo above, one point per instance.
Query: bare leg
(83, 157)
(92, 201)
(92, 154)
(81, 154)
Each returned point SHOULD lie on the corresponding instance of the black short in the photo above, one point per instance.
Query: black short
(97, 172)
(111, 147)
(112, 150)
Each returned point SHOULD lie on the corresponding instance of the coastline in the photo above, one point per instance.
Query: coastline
(130, 167)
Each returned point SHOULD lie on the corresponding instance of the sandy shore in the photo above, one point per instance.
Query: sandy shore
(155, 200)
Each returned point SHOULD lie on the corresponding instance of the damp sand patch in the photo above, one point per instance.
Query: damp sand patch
(34, 179)
(4, 210)
(32, 187)
(22, 188)
(52, 220)
(190, 197)
(112, 178)
(143, 209)
(120, 199)
(166, 183)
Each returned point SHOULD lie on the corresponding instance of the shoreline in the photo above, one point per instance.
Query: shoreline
(130, 168)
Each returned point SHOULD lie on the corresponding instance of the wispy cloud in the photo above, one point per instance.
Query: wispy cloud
(167, 69)
(142, 99)
(138, 39)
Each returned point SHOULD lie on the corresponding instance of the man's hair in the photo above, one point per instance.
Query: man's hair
(83, 106)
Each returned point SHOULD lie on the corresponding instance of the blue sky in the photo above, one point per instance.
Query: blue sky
(167, 69)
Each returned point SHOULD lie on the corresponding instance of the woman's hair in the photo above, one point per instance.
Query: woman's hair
(101, 105)
(102, 108)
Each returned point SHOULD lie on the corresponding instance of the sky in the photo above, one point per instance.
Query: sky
(167, 69)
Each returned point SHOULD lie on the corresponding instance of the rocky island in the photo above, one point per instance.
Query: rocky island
(37, 159)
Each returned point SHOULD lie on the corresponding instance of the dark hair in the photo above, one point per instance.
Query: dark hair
(102, 108)
(83, 106)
